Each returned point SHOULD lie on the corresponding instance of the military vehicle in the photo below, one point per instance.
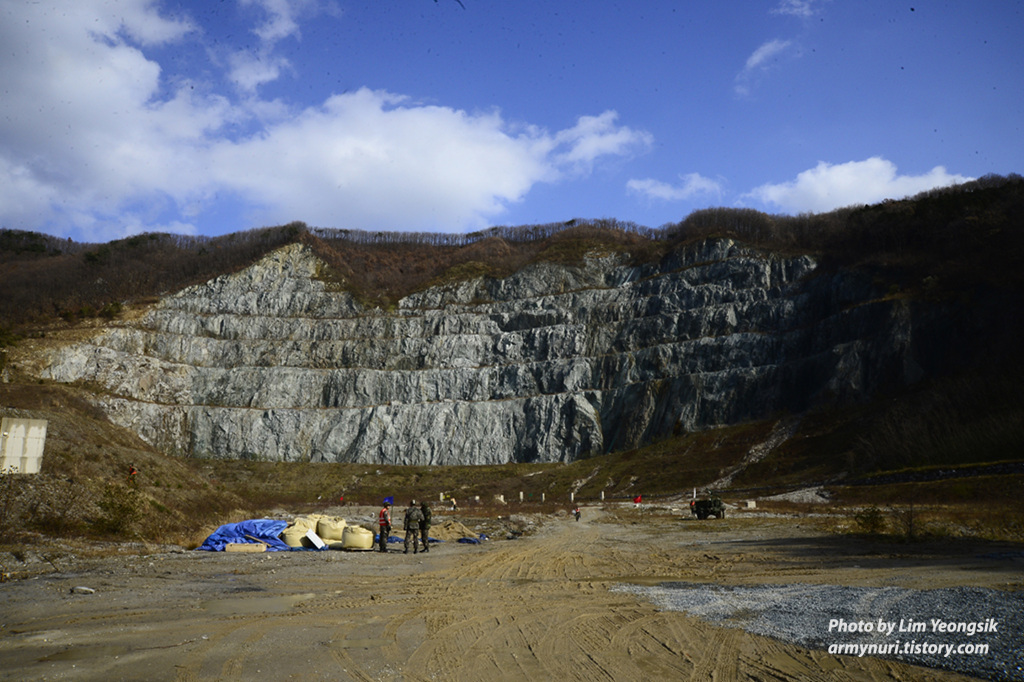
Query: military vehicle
(711, 505)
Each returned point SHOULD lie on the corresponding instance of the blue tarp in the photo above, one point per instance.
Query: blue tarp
(473, 541)
(261, 530)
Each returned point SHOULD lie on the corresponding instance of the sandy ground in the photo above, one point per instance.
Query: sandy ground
(541, 607)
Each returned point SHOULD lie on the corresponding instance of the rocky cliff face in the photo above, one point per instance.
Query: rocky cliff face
(547, 365)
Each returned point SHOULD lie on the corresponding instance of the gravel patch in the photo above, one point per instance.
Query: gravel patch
(804, 495)
(972, 631)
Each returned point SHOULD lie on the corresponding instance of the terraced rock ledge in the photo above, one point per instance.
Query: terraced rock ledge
(553, 363)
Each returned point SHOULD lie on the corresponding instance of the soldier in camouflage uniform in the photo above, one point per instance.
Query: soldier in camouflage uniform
(425, 525)
(413, 516)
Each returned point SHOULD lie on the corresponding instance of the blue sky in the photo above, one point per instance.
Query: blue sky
(214, 116)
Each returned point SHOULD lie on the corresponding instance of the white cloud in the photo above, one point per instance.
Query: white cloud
(253, 67)
(81, 127)
(251, 70)
(22, 194)
(826, 187)
(137, 19)
(766, 52)
(758, 62)
(96, 139)
(371, 160)
(596, 136)
(796, 8)
(374, 160)
(281, 20)
(691, 185)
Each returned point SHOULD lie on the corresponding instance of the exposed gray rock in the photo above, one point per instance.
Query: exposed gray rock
(547, 365)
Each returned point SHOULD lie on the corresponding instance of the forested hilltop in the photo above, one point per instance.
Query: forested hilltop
(938, 243)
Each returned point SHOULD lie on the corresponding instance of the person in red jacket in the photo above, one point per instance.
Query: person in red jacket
(384, 521)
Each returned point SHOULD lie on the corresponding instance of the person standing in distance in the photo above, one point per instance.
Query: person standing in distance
(384, 521)
(425, 525)
(413, 517)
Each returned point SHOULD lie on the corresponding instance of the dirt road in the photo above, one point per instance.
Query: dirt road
(536, 608)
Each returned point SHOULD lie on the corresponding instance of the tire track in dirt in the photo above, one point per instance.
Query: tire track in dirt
(530, 596)
(547, 599)
(519, 625)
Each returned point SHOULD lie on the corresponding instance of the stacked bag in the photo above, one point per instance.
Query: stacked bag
(334, 532)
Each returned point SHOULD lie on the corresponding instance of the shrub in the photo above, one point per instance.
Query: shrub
(53, 505)
(8, 501)
(120, 507)
(110, 310)
(870, 521)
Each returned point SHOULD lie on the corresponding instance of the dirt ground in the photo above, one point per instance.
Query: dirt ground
(539, 607)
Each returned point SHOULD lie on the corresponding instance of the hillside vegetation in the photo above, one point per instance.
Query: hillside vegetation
(938, 243)
(963, 244)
